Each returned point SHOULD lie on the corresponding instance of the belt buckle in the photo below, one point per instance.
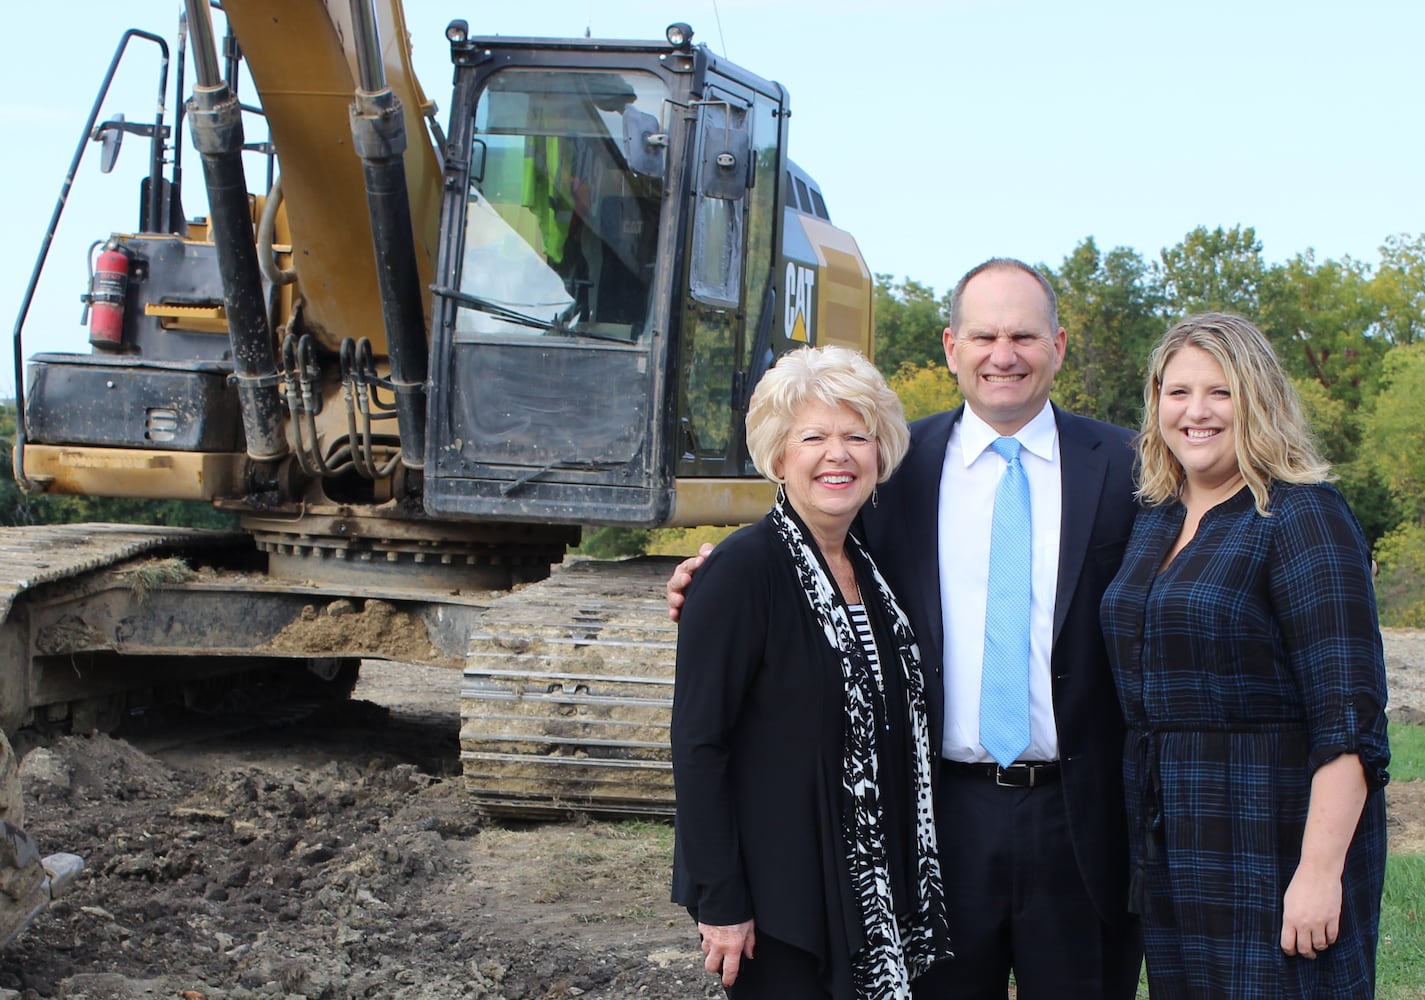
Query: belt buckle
(999, 778)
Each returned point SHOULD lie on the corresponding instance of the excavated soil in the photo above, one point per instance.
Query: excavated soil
(334, 856)
(376, 626)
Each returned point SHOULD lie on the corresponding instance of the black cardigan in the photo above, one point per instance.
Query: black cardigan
(758, 731)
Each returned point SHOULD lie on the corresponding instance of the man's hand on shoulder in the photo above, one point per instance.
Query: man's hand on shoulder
(677, 585)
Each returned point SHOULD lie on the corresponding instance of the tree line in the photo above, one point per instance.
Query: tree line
(1350, 333)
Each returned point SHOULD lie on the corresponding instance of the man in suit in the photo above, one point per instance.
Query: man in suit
(1035, 853)
(1036, 874)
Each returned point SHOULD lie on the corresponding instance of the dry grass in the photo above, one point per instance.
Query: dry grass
(155, 574)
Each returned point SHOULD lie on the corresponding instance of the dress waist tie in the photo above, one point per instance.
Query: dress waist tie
(1141, 746)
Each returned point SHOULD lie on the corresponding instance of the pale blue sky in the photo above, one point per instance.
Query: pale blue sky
(942, 133)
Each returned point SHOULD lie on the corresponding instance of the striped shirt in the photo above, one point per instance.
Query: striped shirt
(862, 624)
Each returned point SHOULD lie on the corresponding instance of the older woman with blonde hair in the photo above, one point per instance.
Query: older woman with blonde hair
(805, 842)
(1243, 636)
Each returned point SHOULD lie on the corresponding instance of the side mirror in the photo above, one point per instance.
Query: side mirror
(110, 137)
(726, 167)
(477, 161)
(644, 143)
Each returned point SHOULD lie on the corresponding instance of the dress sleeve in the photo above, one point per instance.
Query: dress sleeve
(1324, 601)
(721, 640)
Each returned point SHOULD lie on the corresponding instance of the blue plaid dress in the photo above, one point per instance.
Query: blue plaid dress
(1249, 661)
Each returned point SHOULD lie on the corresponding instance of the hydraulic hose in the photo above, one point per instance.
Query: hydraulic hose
(215, 117)
(378, 131)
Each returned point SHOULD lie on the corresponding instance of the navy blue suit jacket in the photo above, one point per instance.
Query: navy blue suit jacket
(903, 535)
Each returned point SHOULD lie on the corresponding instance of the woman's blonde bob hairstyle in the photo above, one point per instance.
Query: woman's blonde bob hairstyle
(836, 376)
(1273, 440)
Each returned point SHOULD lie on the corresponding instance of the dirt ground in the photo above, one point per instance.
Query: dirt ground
(335, 857)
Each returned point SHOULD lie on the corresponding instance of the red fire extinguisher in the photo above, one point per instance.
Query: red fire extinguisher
(107, 288)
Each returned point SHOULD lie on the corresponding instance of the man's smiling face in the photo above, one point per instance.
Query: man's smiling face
(1006, 351)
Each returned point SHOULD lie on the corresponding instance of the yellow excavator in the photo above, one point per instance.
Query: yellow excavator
(414, 363)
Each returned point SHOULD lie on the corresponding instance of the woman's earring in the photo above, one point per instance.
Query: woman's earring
(874, 490)
(781, 495)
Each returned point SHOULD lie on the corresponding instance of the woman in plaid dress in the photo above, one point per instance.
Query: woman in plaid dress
(1242, 630)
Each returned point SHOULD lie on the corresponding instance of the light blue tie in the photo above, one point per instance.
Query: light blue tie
(1004, 686)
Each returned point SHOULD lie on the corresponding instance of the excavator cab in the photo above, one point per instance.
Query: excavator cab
(551, 340)
(607, 282)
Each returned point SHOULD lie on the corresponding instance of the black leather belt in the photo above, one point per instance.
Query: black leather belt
(1027, 774)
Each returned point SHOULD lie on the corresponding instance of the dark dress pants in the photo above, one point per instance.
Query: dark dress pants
(778, 972)
(1017, 902)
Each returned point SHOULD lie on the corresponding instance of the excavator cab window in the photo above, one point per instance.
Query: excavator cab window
(562, 219)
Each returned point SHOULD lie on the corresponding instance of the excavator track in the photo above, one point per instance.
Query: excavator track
(40, 554)
(37, 559)
(568, 692)
(32, 557)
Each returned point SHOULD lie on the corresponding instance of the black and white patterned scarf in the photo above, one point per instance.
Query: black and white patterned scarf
(894, 952)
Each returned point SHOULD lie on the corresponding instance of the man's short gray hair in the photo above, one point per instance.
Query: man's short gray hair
(1003, 264)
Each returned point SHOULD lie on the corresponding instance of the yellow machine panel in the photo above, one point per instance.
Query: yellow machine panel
(306, 73)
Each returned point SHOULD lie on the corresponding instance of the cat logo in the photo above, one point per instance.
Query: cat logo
(801, 283)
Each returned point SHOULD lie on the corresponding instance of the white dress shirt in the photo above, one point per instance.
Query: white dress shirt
(968, 481)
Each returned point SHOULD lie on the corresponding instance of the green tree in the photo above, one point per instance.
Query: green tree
(1333, 423)
(1395, 429)
(1337, 428)
(926, 389)
(909, 323)
(1393, 449)
(1400, 588)
(1324, 321)
(1219, 269)
(1111, 309)
(1399, 287)
(1375, 506)
(612, 542)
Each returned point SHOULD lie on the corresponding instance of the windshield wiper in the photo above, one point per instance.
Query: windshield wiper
(570, 462)
(493, 308)
(555, 326)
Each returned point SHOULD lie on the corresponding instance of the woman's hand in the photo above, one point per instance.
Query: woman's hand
(1311, 908)
(677, 586)
(1311, 919)
(724, 946)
